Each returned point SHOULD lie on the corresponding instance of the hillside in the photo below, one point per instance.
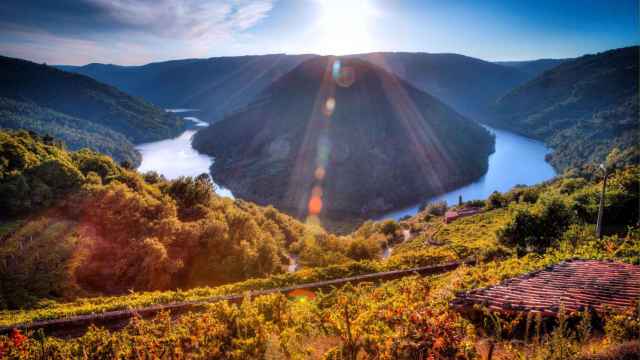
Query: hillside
(77, 224)
(77, 133)
(79, 110)
(466, 84)
(533, 67)
(582, 108)
(215, 86)
(367, 140)
(414, 311)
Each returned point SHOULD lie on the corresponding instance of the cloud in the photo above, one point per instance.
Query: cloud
(185, 19)
(192, 26)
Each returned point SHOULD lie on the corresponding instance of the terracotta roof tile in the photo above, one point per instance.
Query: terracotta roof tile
(574, 284)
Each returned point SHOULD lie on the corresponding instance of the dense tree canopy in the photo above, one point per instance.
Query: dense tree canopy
(95, 227)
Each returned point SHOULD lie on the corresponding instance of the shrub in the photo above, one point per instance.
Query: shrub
(537, 229)
(389, 227)
(437, 208)
(496, 200)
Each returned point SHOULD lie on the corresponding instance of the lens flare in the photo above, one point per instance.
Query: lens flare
(329, 107)
(319, 173)
(301, 295)
(343, 76)
(315, 205)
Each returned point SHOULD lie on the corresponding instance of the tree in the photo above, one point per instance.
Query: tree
(496, 200)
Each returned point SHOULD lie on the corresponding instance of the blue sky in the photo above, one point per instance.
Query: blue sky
(142, 31)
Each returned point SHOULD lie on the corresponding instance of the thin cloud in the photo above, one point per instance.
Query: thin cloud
(111, 27)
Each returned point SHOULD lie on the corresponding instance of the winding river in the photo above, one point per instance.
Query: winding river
(175, 157)
(517, 160)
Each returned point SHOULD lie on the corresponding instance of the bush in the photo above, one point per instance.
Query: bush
(537, 228)
(365, 249)
(496, 200)
(476, 203)
(437, 208)
(389, 227)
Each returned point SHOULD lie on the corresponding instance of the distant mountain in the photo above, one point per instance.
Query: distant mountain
(582, 108)
(345, 136)
(216, 86)
(533, 67)
(79, 110)
(467, 84)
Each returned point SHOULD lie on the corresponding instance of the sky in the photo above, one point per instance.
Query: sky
(133, 32)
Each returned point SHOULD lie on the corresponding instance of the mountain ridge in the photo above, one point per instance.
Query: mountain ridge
(582, 108)
(48, 100)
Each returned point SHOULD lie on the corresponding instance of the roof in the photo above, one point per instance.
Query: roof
(574, 284)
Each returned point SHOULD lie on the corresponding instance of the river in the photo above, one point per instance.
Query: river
(175, 157)
(518, 160)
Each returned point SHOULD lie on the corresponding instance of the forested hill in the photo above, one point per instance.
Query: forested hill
(582, 108)
(469, 85)
(79, 110)
(84, 225)
(533, 67)
(216, 86)
(379, 142)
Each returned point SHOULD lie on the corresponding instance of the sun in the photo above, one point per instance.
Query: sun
(344, 26)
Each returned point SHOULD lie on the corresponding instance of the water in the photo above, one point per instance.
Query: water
(517, 160)
(177, 111)
(175, 157)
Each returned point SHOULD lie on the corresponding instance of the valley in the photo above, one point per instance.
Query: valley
(517, 160)
(377, 205)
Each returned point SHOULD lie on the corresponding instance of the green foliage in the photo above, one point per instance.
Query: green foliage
(536, 228)
(389, 227)
(191, 194)
(33, 174)
(75, 132)
(122, 233)
(34, 269)
(401, 319)
(88, 161)
(118, 232)
(625, 326)
(495, 201)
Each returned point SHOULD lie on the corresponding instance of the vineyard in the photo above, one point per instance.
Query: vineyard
(208, 278)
